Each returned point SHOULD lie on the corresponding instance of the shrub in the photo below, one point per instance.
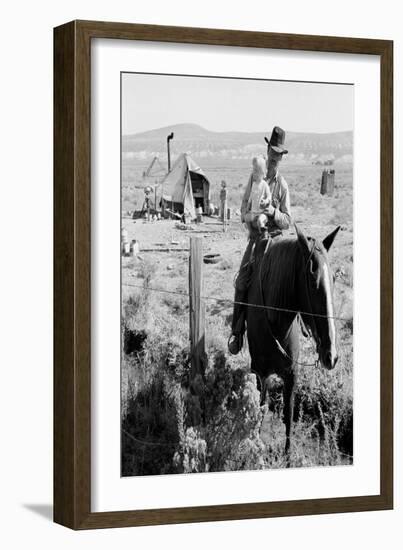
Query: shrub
(225, 264)
(173, 426)
(234, 417)
(324, 404)
(150, 432)
(192, 455)
(217, 423)
(146, 271)
(176, 303)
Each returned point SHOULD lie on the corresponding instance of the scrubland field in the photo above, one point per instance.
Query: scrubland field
(166, 428)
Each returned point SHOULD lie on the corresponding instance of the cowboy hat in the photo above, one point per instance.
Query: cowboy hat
(277, 140)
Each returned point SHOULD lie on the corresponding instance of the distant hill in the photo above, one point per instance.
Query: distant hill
(201, 142)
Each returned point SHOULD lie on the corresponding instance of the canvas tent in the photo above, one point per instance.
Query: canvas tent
(185, 187)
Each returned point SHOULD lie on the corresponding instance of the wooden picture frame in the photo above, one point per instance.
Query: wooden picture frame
(72, 274)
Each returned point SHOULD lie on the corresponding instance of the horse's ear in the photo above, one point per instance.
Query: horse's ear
(328, 241)
(302, 241)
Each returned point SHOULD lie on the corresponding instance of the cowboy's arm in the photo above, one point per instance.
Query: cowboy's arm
(280, 213)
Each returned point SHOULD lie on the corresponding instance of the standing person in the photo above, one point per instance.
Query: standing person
(147, 204)
(223, 201)
(266, 212)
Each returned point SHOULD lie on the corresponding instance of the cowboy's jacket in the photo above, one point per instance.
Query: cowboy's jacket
(280, 200)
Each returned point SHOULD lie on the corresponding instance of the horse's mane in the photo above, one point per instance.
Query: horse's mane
(280, 267)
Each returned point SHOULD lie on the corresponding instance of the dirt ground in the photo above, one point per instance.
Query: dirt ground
(165, 246)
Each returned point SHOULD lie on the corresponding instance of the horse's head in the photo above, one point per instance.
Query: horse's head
(316, 292)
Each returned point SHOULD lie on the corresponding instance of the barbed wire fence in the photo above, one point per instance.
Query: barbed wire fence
(233, 302)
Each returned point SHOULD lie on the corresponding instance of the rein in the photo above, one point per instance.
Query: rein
(276, 340)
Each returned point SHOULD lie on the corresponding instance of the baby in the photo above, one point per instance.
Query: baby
(257, 197)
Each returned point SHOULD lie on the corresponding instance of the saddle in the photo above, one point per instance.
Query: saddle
(262, 243)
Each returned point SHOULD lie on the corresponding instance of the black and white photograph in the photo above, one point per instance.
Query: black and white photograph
(201, 300)
(236, 274)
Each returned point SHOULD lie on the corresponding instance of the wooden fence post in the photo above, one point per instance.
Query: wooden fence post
(327, 184)
(196, 308)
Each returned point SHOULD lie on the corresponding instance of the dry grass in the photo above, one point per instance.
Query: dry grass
(155, 400)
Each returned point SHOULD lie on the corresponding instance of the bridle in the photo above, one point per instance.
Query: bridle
(308, 295)
(279, 346)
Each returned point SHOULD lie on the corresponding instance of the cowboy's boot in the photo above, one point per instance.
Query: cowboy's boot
(235, 341)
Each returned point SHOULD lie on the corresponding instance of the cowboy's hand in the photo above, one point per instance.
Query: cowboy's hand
(271, 210)
(261, 221)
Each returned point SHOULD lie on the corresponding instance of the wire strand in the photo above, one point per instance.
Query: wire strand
(228, 300)
(150, 443)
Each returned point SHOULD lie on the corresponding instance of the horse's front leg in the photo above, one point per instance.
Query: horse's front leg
(264, 390)
(261, 380)
(288, 392)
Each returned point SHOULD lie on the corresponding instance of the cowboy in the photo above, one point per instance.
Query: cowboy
(268, 220)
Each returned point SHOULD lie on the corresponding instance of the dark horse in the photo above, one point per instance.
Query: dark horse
(293, 274)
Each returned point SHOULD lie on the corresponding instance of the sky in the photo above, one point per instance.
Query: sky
(231, 104)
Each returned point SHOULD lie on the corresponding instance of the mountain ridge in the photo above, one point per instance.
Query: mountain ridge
(202, 142)
(186, 127)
